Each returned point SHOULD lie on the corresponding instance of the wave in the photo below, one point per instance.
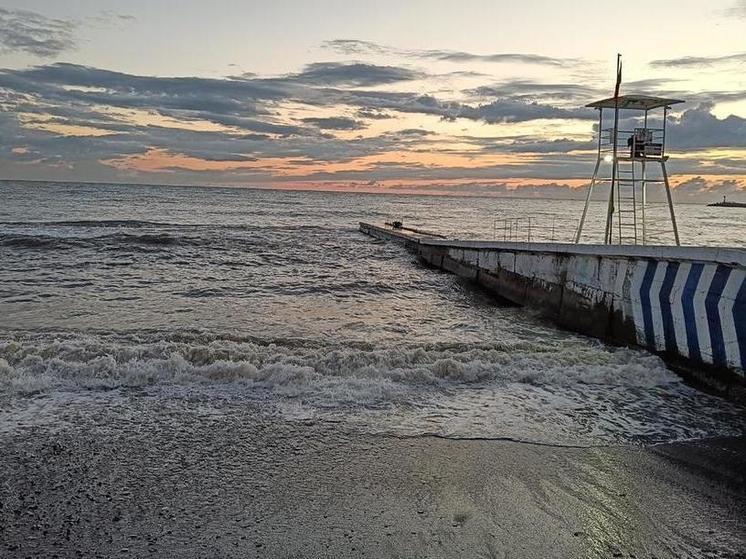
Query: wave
(140, 224)
(118, 234)
(29, 241)
(146, 239)
(119, 223)
(31, 363)
(568, 393)
(115, 239)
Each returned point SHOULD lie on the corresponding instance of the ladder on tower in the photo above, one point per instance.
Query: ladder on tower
(627, 203)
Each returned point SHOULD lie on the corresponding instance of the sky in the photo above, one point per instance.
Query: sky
(420, 96)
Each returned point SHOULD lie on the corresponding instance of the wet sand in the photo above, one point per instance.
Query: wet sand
(143, 476)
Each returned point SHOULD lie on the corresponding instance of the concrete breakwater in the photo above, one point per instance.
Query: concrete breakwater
(687, 304)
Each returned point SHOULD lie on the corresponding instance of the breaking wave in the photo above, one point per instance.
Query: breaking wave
(564, 393)
(31, 363)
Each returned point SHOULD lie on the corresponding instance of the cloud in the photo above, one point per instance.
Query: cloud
(490, 188)
(355, 46)
(107, 16)
(699, 61)
(699, 128)
(265, 130)
(415, 132)
(33, 33)
(357, 74)
(359, 47)
(527, 89)
(737, 10)
(228, 102)
(335, 123)
(519, 58)
(249, 103)
(497, 111)
(373, 114)
(513, 110)
(571, 94)
(699, 188)
(539, 145)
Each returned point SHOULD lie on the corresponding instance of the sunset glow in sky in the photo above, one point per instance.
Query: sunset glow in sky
(469, 97)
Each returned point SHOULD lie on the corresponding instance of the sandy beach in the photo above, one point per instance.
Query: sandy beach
(130, 474)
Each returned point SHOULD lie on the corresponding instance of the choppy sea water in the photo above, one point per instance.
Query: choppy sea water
(274, 299)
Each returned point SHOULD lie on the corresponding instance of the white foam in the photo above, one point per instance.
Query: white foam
(34, 362)
(576, 390)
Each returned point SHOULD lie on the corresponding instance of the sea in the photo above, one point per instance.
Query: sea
(274, 300)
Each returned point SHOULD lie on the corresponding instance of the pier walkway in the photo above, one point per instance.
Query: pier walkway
(687, 304)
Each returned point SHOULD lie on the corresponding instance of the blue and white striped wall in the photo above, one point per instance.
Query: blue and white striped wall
(693, 309)
(687, 302)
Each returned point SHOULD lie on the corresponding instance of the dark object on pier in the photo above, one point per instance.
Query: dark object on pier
(400, 226)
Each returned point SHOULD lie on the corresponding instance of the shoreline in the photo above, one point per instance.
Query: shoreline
(191, 478)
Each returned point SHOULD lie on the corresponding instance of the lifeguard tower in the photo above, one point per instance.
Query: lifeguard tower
(624, 161)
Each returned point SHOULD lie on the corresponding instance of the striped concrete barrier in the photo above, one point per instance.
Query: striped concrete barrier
(686, 303)
(694, 309)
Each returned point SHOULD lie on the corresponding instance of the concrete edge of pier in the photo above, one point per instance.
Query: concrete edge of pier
(687, 304)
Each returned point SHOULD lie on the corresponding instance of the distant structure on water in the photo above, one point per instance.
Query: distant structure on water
(628, 155)
(726, 204)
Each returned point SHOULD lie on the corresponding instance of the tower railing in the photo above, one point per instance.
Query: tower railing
(636, 143)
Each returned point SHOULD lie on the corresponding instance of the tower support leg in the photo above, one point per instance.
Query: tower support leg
(609, 234)
(587, 201)
(670, 203)
(644, 198)
(644, 186)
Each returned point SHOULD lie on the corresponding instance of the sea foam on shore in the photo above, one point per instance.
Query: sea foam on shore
(570, 393)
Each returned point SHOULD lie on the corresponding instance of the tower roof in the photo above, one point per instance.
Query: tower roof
(638, 102)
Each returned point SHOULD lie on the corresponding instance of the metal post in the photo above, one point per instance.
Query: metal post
(665, 178)
(644, 185)
(609, 209)
(634, 191)
(529, 229)
(619, 198)
(670, 203)
(593, 180)
(615, 134)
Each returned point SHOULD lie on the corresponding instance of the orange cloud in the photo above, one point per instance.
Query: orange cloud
(289, 172)
(738, 181)
(429, 186)
(159, 160)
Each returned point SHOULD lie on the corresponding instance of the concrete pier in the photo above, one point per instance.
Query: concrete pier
(687, 304)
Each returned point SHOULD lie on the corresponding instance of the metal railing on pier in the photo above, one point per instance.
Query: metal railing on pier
(529, 229)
